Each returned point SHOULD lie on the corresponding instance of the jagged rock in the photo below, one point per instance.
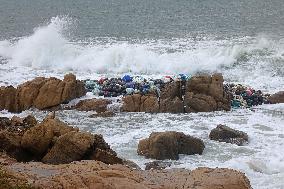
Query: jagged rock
(17, 121)
(223, 133)
(95, 174)
(157, 165)
(37, 139)
(171, 105)
(29, 121)
(69, 147)
(103, 114)
(98, 105)
(131, 103)
(41, 93)
(276, 98)
(171, 90)
(168, 145)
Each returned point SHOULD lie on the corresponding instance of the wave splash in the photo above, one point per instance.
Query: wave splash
(241, 59)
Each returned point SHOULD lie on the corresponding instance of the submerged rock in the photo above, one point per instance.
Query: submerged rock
(41, 93)
(169, 144)
(103, 114)
(157, 165)
(226, 134)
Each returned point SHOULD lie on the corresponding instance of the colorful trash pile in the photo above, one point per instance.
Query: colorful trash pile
(241, 96)
(245, 97)
(128, 85)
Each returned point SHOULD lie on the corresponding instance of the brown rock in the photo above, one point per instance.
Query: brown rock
(106, 157)
(29, 121)
(7, 99)
(69, 147)
(149, 104)
(157, 165)
(98, 105)
(223, 133)
(37, 139)
(168, 145)
(276, 98)
(103, 114)
(171, 105)
(131, 103)
(171, 90)
(17, 121)
(41, 93)
(4, 122)
(94, 174)
(199, 103)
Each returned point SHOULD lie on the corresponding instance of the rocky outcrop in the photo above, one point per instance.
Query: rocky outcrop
(276, 98)
(94, 174)
(54, 142)
(139, 103)
(157, 165)
(98, 105)
(41, 93)
(103, 114)
(203, 93)
(223, 133)
(168, 145)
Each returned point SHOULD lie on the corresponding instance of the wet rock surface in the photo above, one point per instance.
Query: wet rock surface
(168, 145)
(223, 133)
(157, 165)
(98, 105)
(41, 93)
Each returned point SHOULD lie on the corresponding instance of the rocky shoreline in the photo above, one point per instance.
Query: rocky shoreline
(52, 154)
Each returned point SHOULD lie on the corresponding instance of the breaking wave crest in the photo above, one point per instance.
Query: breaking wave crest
(251, 60)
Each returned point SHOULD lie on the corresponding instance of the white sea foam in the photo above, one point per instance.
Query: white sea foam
(258, 62)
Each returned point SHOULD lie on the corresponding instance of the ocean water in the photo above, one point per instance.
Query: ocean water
(243, 40)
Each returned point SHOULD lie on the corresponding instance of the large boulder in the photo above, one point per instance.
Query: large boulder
(276, 98)
(39, 138)
(205, 93)
(168, 145)
(98, 105)
(41, 93)
(226, 134)
(69, 147)
(149, 104)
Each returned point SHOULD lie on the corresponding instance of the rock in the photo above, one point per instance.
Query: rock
(276, 98)
(41, 93)
(130, 164)
(149, 104)
(29, 121)
(17, 121)
(94, 174)
(106, 157)
(223, 133)
(205, 93)
(157, 165)
(171, 90)
(69, 147)
(171, 105)
(168, 145)
(7, 98)
(4, 122)
(103, 114)
(38, 139)
(98, 105)
(10, 142)
(199, 103)
(131, 103)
